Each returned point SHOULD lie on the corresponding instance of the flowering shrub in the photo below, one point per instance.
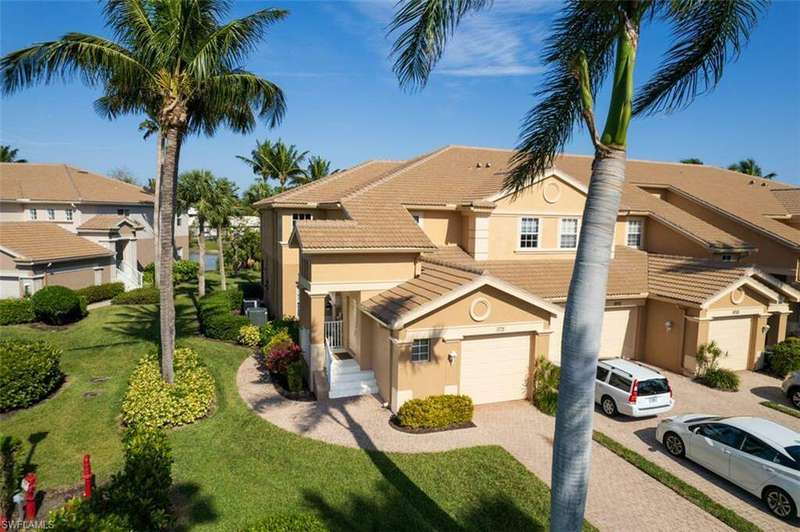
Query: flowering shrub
(152, 403)
(249, 335)
(279, 339)
(282, 356)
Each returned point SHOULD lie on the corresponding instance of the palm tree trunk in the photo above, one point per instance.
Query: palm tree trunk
(583, 324)
(157, 207)
(166, 197)
(201, 254)
(221, 259)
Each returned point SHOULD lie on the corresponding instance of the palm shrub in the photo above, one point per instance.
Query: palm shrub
(544, 381)
(13, 311)
(436, 411)
(709, 372)
(57, 305)
(784, 357)
(29, 372)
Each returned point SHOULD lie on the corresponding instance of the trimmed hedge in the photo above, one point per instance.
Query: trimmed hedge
(215, 313)
(152, 403)
(784, 358)
(29, 372)
(57, 305)
(288, 522)
(147, 295)
(436, 411)
(224, 326)
(101, 292)
(14, 311)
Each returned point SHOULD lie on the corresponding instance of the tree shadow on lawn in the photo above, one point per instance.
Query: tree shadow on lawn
(142, 321)
(191, 506)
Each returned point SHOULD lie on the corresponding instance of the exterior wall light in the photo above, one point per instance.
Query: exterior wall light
(765, 328)
(451, 357)
(668, 325)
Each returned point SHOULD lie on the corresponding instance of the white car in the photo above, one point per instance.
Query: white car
(625, 387)
(756, 454)
(791, 387)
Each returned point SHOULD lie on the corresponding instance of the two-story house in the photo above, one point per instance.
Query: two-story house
(421, 277)
(66, 226)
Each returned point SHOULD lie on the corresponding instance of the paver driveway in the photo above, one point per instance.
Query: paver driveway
(691, 397)
(620, 496)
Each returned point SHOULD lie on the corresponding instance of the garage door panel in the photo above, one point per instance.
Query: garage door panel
(618, 338)
(732, 335)
(495, 369)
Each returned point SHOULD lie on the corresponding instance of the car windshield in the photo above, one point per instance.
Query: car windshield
(794, 452)
(653, 387)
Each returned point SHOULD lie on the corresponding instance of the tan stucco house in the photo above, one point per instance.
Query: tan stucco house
(420, 277)
(62, 225)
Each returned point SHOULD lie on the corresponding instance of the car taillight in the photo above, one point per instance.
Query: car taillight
(634, 392)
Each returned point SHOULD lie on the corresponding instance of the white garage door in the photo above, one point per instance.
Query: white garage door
(732, 335)
(495, 368)
(9, 287)
(618, 337)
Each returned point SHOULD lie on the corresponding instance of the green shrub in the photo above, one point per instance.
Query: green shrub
(784, 358)
(147, 295)
(235, 298)
(294, 375)
(184, 271)
(267, 331)
(249, 335)
(215, 313)
(29, 371)
(252, 290)
(288, 522)
(436, 411)
(136, 498)
(280, 338)
(101, 292)
(11, 471)
(16, 311)
(545, 378)
(292, 325)
(721, 379)
(224, 326)
(56, 305)
(152, 403)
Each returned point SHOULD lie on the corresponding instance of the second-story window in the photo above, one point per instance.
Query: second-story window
(569, 233)
(32, 214)
(297, 216)
(634, 237)
(124, 212)
(529, 233)
(68, 214)
(51, 214)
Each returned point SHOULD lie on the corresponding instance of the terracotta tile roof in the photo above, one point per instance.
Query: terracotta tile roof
(789, 198)
(44, 241)
(108, 221)
(59, 182)
(691, 279)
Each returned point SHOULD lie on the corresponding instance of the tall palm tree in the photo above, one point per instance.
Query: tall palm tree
(194, 190)
(148, 128)
(256, 192)
(279, 161)
(9, 155)
(223, 204)
(751, 167)
(589, 42)
(317, 167)
(175, 61)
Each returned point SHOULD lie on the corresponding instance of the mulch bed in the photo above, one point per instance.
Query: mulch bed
(395, 424)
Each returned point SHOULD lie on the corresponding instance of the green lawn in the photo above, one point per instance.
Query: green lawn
(233, 467)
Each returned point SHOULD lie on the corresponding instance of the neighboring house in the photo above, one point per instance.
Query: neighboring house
(421, 277)
(62, 225)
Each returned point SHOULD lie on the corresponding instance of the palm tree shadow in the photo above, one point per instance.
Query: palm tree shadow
(191, 506)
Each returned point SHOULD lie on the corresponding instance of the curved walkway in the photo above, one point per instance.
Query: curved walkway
(620, 496)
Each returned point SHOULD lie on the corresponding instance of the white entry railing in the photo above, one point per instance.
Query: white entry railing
(328, 362)
(333, 334)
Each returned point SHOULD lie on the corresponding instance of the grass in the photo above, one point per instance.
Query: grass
(688, 492)
(781, 408)
(233, 467)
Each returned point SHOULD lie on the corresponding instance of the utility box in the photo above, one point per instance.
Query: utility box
(257, 315)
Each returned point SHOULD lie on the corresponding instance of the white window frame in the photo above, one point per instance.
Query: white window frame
(300, 216)
(421, 350)
(68, 214)
(640, 233)
(32, 214)
(562, 234)
(537, 234)
(51, 214)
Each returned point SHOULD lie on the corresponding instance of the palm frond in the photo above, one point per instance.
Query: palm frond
(706, 36)
(424, 27)
(240, 89)
(130, 20)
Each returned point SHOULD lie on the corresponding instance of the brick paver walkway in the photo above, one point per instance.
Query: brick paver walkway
(620, 496)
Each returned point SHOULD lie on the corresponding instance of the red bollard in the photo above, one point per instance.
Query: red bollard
(30, 497)
(87, 476)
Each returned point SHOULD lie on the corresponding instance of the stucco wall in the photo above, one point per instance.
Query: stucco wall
(662, 239)
(361, 268)
(375, 340)
(664, 348)
(442, 227)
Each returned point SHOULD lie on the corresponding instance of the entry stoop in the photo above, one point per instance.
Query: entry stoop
(347, 379)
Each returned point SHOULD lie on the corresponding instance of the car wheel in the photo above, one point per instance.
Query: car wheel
(674, 445)
(779, 503)
(794, 396)
(609, 406)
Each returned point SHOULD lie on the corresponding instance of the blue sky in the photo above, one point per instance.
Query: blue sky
(344, 103)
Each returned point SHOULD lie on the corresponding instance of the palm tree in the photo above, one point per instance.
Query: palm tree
(317, 167)
(589, 42)
(692, 160)
(194, 190)
(750, 167)
(175, 61)
(277, 161)
(256, 192)
(9, 155)
(223, 204)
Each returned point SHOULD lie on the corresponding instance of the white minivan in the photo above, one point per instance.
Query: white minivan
(625, 387)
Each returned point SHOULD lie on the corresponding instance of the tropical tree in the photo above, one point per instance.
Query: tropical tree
(177, 62)
(9, 155)
(279, 161)
(223, 205)
(195, 190)
(317, 167)
(124, 175)
(256, 192)
(589, 42)
(244, 247)
(692, 160)
(751, 167)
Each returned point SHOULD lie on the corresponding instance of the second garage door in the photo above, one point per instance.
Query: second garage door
(618, 337)
(495, 368)
(732, 335)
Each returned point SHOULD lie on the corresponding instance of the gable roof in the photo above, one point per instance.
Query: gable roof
(789, 198)
(108, 222)
(62, 183)
(45, 241)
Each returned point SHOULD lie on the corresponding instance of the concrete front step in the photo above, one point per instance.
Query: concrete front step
(349, 390)
(360, 376)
